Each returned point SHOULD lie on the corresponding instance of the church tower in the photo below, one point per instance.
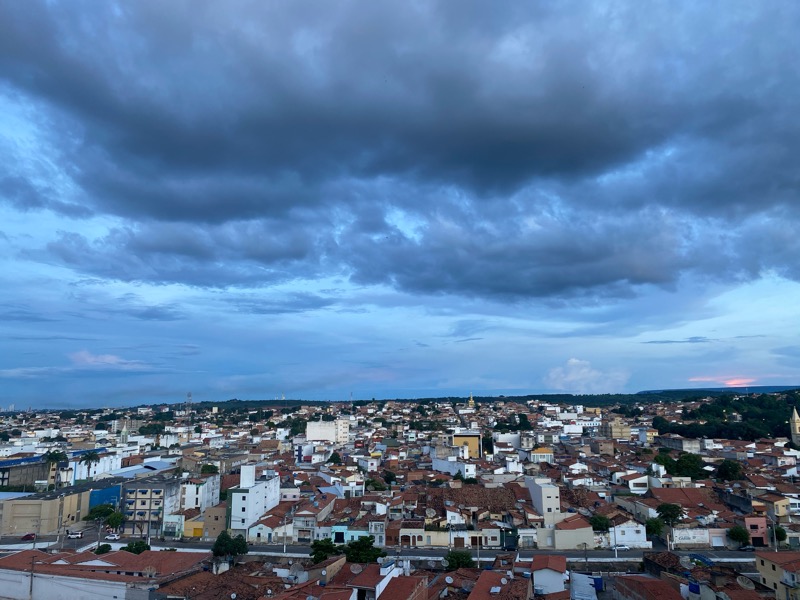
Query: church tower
(471, 403)
(794, 425)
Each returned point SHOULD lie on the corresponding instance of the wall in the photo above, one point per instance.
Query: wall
(17, 586)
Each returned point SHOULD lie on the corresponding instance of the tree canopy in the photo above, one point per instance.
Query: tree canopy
(670, 513)
(600, 523)
(730, 470)
(136, 547)
(739, 534)
(459, 559)
(225, 545)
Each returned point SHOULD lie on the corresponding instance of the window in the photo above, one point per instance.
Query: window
(549, 510)
(243, 509)
(773, 567)
(753, 527)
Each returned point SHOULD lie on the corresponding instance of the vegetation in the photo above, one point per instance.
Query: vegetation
(739, 534)
(670, 513)
(780, 534)
(101, 511)
(654, 526)
(730, 470)
(105, 549)
(209, 470)
(335, 459)
(229, 547)
(323, 549)
(361, 550)
(600, 523)
(687, 465)
(459, 559)
(732, 417)
(136, 547)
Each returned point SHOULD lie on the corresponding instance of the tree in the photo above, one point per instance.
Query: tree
(101, 511)
(198, 429)
(739, 534)
(459, 559)
(780, 534)
(362, 550)
(115, 520)
(689, 465)
(389, 477)
(335, 459)
(136, 547)
(670, 513)
(729, 470)
(654, 526)
(323, 549)
(104, 549)
(89, 458)
(209, 470)
(229, 547)
(600, 523)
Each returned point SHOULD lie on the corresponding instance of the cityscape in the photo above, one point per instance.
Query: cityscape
(448, 497)
(363, 300)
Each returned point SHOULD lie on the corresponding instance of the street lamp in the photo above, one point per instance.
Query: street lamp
(586, 555)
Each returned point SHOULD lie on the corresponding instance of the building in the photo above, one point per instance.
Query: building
(639, 587)
(200, 492)
(546, 499)
(145, 502)
(794, 425)
(250, 500)
(336, 432)
(780, 571)
(470, 439)
(615, 429)
(548, 572)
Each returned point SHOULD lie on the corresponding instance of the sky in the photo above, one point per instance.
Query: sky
(327, 200)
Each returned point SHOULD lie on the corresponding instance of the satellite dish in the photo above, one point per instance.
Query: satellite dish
(268, 566)
(448, 580)
(324, 572)
(468, 584)
(380, 560)
(430, 513)
(686, 562)
(356, 569)
(444, 562)
(503, 581)
(431, 564)
(296, 568)
(745, 582)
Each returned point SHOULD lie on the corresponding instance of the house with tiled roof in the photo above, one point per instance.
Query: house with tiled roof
(549, 572)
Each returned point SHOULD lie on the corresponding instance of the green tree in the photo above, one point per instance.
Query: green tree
(670, 513)
(115, 520)
(209, 470)
(362, 550)
(780, 534)
(90, 458)
(53, 457)
(459, 559)
(101, 511)
(600, 523)
(198, 429)
(323, 549)
(136, 547)
(230, 547)
(335, 459)
(654, 526)
(389, 477)
(730, 470)
(739, 534)
(689, 465)
(105, 549)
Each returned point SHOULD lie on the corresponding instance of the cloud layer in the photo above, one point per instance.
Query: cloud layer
(314, 157)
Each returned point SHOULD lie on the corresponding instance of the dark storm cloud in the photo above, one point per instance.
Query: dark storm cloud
(509, 152)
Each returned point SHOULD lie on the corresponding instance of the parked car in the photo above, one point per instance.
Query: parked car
(747, 548)
(112, 536)
(620, 547)
(28, 537)
(74, 535)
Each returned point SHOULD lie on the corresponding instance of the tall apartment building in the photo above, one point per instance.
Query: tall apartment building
(546, 499)
(200, 492)
(248, 502)
(337, 432)
(145, 502)
(615, 429)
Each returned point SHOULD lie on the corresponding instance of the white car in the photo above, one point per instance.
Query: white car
(620, 547)
(112, 536)
(75, 535)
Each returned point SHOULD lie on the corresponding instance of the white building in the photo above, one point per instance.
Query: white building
(337, 432)
(200, 492)
(251, 499)
(546, 499)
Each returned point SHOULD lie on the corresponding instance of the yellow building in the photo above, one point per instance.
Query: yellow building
(471, 439)
(780, 571)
